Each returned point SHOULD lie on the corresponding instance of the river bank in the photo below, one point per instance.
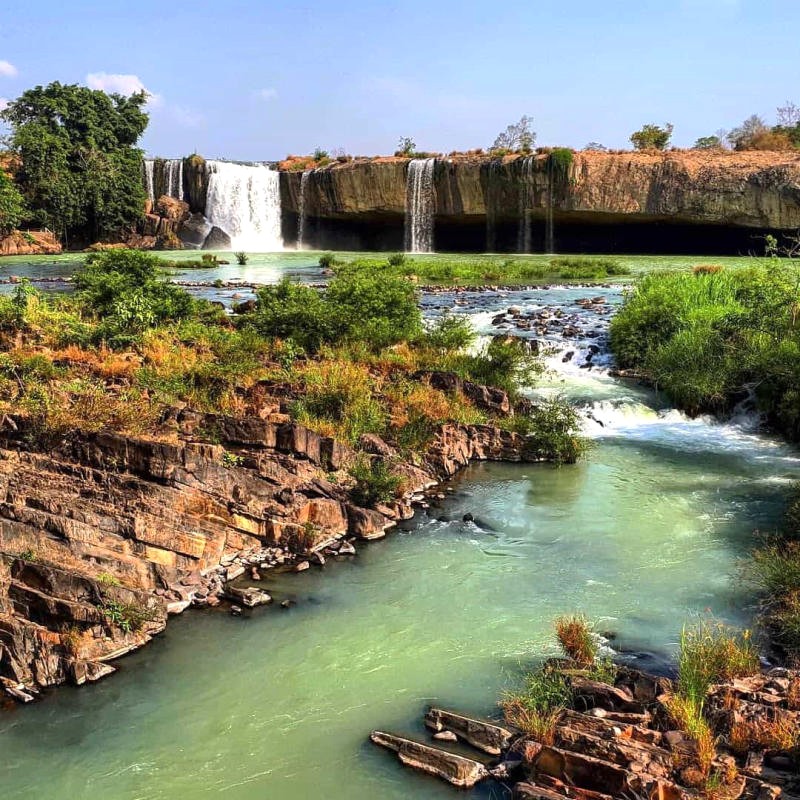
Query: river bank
(643, 533)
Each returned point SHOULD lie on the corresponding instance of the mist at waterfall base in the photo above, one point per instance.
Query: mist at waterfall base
(643, 533)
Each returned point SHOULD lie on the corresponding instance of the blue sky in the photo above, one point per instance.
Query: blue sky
(256, 80)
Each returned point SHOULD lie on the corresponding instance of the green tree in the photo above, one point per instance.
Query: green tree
(80, 171)
(652, 137)
(12, 206)
(406, 146)
(708, 143)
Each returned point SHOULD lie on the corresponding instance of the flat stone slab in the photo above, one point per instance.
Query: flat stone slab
(457, 770)
(486, 736)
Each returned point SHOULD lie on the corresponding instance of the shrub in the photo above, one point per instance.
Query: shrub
(241, 258)
(328, 260)
(128, 617)
(292, 311)
(374, 482)
(127, 290)
(396, 260)
(576, 639)
(449, 334)
(553, 427)
(777, 733)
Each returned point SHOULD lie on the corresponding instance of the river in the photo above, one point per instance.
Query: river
(641, 535)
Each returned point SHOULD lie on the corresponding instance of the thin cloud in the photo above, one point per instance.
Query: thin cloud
(122, 84)
(7, 69)
(267, 94)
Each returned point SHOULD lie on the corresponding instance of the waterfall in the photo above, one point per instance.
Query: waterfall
(524, 237)
(493, 174)
(175, 178)
(245, 202)
(301, 208)
(149, 182)
(549, 233)
(420, 206)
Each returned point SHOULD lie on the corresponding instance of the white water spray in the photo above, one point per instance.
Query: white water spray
(245, 202)
(420, 206)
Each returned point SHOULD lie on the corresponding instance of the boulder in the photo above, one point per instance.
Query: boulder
(217, 239)
(194, 231)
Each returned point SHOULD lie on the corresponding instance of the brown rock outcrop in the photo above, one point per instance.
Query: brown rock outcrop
(102, 534)
(29, 243)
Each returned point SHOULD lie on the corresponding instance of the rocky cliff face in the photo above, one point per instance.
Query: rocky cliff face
(103, 535)
(746, 192)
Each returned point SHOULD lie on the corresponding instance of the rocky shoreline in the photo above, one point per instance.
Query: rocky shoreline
(103, 536)
(617, 742)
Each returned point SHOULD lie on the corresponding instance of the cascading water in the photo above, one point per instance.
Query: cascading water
(493, 170)
(420, 206)
(174, 183)
(149, 181)
(245, 201)
(526, 186)
(301, 208)
(549, 233)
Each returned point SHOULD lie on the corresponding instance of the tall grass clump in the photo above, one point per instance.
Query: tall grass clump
(536, 707)
(577, 640)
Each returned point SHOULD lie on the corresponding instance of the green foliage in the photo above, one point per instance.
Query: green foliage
(80, 171)
(652, 137)
(449, 334)
(328, 260)
(241, 258)
(559, 162)
(709, 143)
(554, 428)
(12, 205)
(127, 290)
(508, 364)
(472, 270)
(107, 579)
(128, 617)
(704, 337)
(536, 706)
(396, 259)
(320, 155)
(357, 306)
(231, 459)
(374, 482)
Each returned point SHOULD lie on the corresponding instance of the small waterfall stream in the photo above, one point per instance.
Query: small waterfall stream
(301, 209)
(420, 206)
(549, 233)
(245, 201)
(526, 187)
(149, 182)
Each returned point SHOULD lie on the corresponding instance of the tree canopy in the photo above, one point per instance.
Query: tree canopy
(80, 170)
(516, 138)
(652, 137)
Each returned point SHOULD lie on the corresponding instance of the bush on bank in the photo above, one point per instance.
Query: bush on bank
(708, 339)
(127, 345)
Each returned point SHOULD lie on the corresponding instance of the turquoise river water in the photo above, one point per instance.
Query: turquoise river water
(641, 535)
